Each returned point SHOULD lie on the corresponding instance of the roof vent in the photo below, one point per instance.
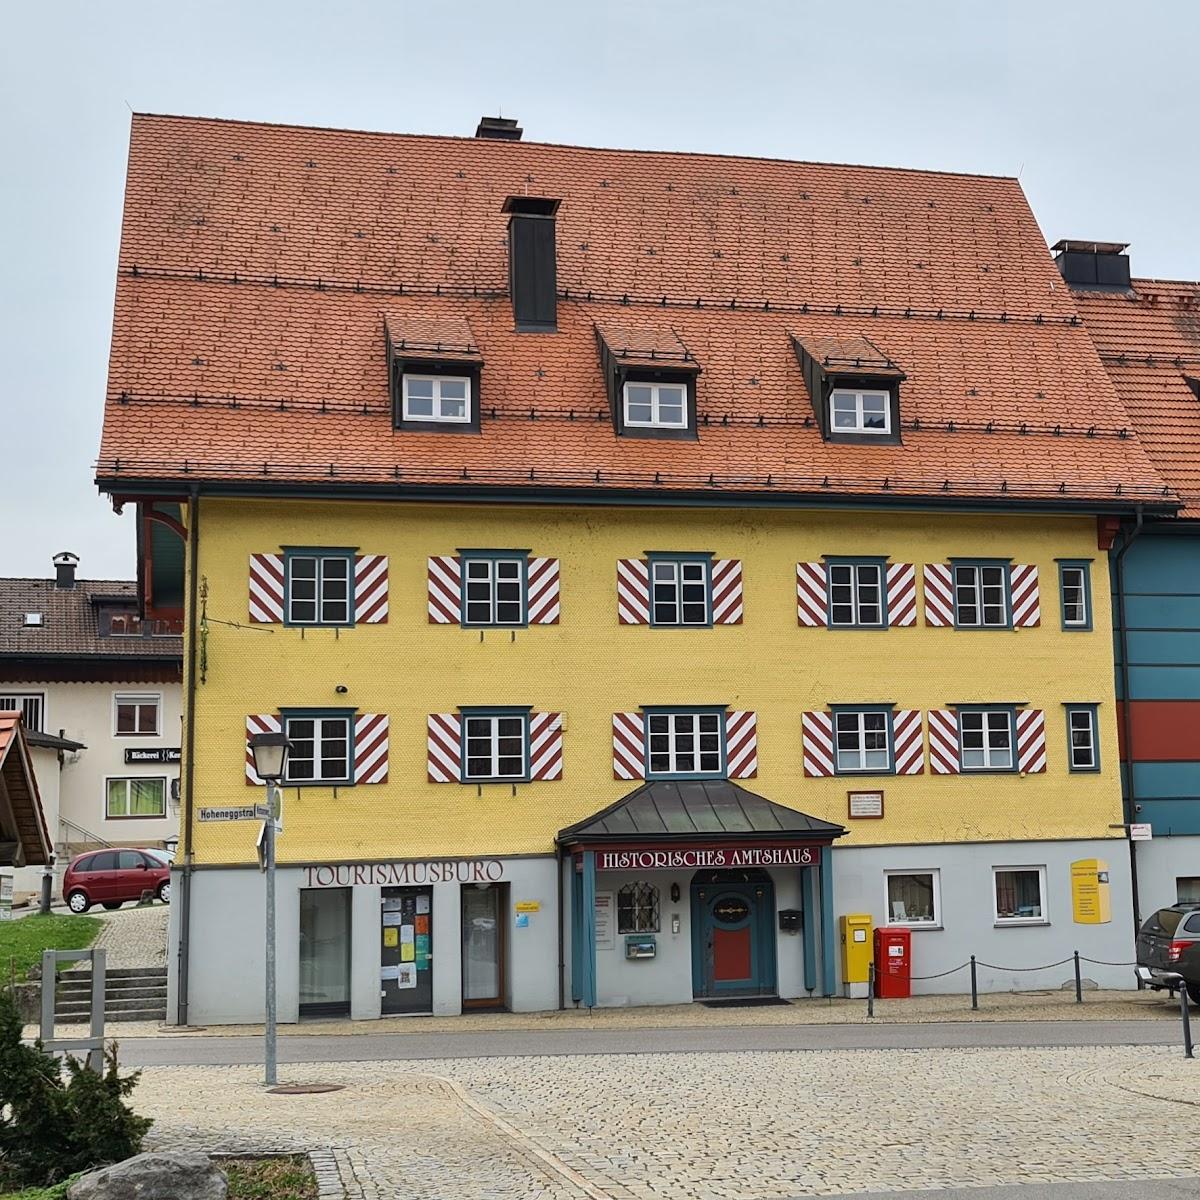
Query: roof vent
(1093, 266)
(499, 129)
(64, 568)
(33, 619)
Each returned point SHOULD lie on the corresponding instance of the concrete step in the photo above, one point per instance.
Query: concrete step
(133, 1014)
(83, 987)
(118, 994)
(83, 975)
(119, 1011)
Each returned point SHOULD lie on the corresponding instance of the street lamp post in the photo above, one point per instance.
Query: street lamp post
(270, 751)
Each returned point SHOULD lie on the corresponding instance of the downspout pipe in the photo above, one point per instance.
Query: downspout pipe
(1127, 713)
(189, 769)
(558, 860)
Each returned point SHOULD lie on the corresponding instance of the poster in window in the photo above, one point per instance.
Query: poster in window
(605, 908)
(422, 904)
(406, 976)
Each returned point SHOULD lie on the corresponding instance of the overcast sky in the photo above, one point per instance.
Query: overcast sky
(1091, 102)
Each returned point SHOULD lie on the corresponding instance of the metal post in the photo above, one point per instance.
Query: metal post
(870, 989)
(974, 985)
(47, 891)
(1187, 1021)
(1078, 981)
(269, 1055)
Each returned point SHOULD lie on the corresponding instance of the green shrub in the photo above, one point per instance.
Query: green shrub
(51, 1127)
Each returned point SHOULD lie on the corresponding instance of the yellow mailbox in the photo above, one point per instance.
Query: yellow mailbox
(857, 950)
(1089, 892)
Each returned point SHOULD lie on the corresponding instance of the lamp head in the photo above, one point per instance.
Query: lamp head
(270, 752)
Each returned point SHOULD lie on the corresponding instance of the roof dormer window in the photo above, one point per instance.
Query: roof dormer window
(437, 398)
(854, 411)
(656, 405)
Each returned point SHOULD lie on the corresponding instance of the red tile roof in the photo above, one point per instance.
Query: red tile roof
(260, 266)
(19, 784)
(1149, 342)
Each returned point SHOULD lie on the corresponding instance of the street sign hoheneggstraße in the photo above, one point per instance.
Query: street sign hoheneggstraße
(242, 812)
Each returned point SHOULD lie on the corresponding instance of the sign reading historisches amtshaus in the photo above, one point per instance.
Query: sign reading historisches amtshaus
(712, 857)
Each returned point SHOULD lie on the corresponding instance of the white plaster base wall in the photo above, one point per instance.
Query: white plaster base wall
(227, 957)
(1160, 864)
(968, 924)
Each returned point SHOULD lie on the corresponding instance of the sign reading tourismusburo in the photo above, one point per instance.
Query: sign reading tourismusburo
(731, 856)
(152, 754)
(401, 874)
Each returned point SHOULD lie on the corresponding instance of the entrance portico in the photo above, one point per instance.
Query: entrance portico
(699, 889)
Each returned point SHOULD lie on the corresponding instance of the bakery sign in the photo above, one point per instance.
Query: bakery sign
(698, 858)
(151, 754)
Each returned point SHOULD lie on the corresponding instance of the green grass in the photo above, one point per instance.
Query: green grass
(22, 941)
(263, 1179)
(57, 1192)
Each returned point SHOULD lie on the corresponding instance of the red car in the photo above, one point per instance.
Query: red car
(110, 877)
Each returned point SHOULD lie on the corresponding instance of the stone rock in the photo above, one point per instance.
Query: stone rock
(168, 1175)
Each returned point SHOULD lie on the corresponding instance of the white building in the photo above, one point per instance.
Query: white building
(100, 693)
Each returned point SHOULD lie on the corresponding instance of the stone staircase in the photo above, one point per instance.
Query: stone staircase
(130, 994)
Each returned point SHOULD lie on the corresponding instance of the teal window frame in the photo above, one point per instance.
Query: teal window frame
(1005, 565)
(698, 710)
(304, 714)
(1094, 715)
(1011, 712)
(290, 554)
(834, 560)
(476, 555)
(522, 712)
(888, 712)
(1084, 566)
(705, 558)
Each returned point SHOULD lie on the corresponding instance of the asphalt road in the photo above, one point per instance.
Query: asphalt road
(1130, 1189)
(217, 1050)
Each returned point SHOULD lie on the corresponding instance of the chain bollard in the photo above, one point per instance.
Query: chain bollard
(974, 985)
(1078, 981)
(1185, 1013)
(870, 989)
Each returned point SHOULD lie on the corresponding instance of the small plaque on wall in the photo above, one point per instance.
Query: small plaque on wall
(865, 804)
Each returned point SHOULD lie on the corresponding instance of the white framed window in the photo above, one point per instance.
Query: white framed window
(912, 898)
(322, 749)
(131, 798)
(496, 746)
(1073, 583)
(493, 591)
(31, 706)
(1019, 895)
(862, 741)
(437, 398)
(318, 589)
(136, 714)
(852, 411)
(986, 740)
(855, 594)
(1081, 732)
(679, 592)
(685, 743)
(656, 405)
(981, 595)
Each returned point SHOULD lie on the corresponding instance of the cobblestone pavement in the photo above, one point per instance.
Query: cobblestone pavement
(756, 1126)
(133, 936)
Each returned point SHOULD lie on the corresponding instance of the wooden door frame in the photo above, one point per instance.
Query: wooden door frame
(497, 1003)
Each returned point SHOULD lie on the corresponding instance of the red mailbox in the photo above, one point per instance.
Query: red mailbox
(893, 963)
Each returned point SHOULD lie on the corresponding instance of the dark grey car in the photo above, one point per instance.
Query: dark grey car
(1169, 944)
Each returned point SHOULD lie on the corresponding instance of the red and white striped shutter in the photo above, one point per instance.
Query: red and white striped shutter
(1031, 741)
(258, 723)
(741, 745)
(939, 595)
(629, 746)
(1026, 602)
(901, 594)
(445, 590)
(908, 748)
(543, 605)
(266, 589)
(943, 742)
(444, 754)
(727, 591)
(545, 746)
(818, 744)
(633, 591)
(370, 589)
(371, 748)
(812, 598)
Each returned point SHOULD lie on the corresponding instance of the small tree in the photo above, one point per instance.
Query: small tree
(50, 1127)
